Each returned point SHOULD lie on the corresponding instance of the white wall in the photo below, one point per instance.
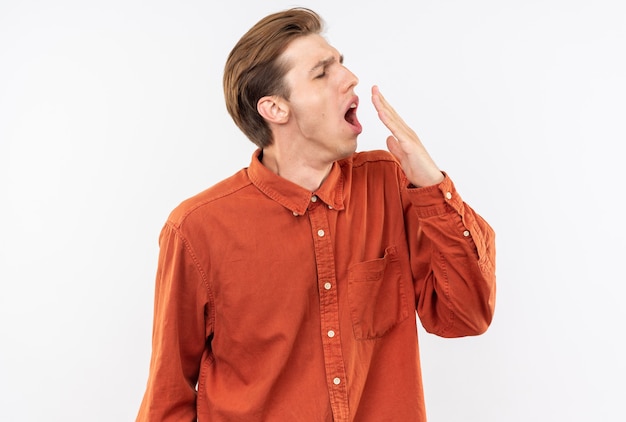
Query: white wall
(111, 113)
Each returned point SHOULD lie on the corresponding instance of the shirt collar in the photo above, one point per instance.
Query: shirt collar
(296, 198)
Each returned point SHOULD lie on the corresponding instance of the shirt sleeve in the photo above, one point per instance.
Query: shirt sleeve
(453, 261)
(180, 332)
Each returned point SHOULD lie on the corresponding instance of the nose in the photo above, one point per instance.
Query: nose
(350, 79)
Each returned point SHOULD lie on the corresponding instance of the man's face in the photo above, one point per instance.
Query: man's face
(322, 101)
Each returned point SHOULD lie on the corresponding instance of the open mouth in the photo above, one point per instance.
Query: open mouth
(351, 118)
(350, 115)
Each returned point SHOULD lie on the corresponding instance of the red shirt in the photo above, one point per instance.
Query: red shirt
(274, 303)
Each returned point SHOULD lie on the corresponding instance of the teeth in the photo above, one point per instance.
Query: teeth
(353, 105)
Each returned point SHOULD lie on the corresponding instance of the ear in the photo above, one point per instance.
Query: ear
(274, 109)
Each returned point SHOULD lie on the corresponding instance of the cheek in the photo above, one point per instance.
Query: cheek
(311, 112)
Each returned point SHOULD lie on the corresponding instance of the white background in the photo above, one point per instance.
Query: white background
(111, 113)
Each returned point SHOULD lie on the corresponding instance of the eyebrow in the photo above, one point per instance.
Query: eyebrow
(326, 62)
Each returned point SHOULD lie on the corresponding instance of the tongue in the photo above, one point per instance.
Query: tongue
(351, 116)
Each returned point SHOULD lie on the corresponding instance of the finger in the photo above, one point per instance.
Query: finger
(382, 105)
(386, 112)
(395, 149)
(390, 117)
(377, 102)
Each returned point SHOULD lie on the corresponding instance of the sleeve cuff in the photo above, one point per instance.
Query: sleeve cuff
(436, 199)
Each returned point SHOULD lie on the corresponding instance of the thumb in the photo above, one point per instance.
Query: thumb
(395, 149)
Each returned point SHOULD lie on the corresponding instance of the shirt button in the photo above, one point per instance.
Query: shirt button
(295, 214)
(314, 198)
(327, 286)
(331, 333)
(330, 207)
(336, 381)
(320, 233)
(448, 195)
(466, 233)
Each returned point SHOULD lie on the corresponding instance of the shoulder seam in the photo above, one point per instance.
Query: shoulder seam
(210, 199)
(215, 198)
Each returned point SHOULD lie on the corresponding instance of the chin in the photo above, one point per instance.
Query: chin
(346, 150)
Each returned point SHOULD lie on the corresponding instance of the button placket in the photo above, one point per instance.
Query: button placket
(329, 308)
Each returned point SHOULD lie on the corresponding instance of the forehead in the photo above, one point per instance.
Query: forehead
(306, 51)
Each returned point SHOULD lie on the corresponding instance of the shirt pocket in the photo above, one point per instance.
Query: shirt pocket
(377, 295)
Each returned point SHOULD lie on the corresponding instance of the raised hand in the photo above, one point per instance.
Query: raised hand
(405, 145)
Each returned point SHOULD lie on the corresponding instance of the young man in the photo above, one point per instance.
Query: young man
(289, 291)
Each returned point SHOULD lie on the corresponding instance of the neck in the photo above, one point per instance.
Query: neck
(308, 174)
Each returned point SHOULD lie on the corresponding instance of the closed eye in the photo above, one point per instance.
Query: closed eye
(323, 65)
